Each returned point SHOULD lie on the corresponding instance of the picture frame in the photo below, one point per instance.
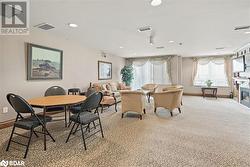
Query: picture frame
(44, 63)
(104, 70)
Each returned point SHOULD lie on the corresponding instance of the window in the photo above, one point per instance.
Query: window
(211, 71)
(150, 72)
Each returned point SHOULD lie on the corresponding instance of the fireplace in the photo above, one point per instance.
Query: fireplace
(245, 96)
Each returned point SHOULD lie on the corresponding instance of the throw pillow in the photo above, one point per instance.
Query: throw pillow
(113, 86)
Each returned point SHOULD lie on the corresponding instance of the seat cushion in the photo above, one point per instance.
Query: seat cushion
(84, 118)
(31, 122)
(108, 100)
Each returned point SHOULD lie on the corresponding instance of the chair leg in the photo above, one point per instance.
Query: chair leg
(7, 149)
(116, 107)
(101, 127)
(94, 124)
(122, 115)
(155, 110)
(171, 113)
(76, 129)
(35, 134)
(27, 148)
(88, 128)
(148, 98)
(140, 117)
(83, 138)
(179, 110)
(45, 130)
(70, 132)
(69, 123)
(102, 109)
(144, 111)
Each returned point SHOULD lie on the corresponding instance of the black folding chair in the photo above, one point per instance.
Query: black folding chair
(85, 117)
(27, 123)
(56, 91)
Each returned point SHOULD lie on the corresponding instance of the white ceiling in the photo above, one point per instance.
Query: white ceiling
(201, 25)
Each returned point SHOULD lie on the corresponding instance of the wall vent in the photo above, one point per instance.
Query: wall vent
(44, 26)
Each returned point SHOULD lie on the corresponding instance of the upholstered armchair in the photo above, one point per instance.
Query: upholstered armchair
(133, 101)
(149, 89)
(170, 100)
(171, 87)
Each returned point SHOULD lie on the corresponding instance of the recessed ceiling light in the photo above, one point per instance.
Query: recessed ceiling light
(248, 32)
(156, 2)
(72, 25)
(121, 47)
(171, 41)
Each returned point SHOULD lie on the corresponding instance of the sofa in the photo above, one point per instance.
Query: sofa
(111, 92)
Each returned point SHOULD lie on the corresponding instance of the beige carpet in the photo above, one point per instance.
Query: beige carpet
(209, 132)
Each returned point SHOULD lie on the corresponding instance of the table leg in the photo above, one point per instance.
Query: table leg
(203, 93)
(44, 129)
(65, 111)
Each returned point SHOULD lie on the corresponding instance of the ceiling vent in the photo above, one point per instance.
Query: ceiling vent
(146, 28)
(242, 28)
(220, 48)
(44, 26)
(160, 47)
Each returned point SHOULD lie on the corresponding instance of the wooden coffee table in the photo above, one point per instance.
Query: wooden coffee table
(210, 89)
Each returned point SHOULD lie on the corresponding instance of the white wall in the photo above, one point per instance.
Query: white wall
(79, 66)
(187, 69)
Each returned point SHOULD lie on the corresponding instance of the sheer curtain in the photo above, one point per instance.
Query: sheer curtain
(154, 70)
(214, 69)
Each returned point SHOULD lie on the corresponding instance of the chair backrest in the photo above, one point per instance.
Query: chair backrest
(55, 91)
(92, 101)
(19, 104)
(90, 91)
(132, 100)
(168, 99)
(151, 87)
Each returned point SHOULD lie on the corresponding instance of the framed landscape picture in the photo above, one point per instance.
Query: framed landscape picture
(104, 70)
(44, 63)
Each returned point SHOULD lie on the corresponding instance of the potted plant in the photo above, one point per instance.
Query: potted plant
(127, 74)
(209, 83)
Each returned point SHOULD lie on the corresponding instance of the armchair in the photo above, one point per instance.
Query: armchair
(170, 100)
(133, 101)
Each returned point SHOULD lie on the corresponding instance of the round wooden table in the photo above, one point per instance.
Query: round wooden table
(54, 101)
